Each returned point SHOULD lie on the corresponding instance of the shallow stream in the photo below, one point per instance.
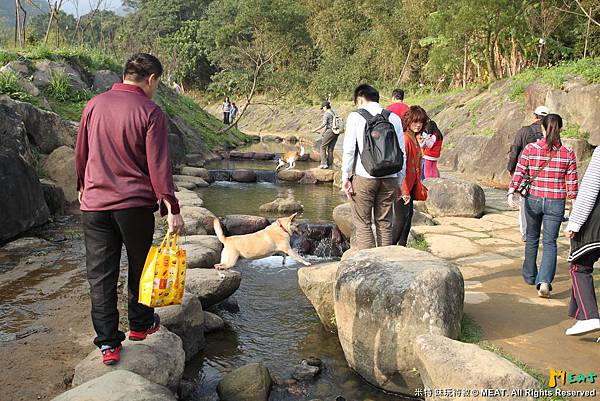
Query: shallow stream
(276, 325)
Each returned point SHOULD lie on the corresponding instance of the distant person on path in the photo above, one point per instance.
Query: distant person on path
(551, 170)
(413, 122)
(526, 135)
(234, 111)
(398, 107)
(226, 110)
(123, 176)
(584, 231)
(329, 137)
(431, 143)
(370, 188)
(178, 88)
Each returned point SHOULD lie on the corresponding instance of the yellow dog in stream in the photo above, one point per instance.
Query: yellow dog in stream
(273, 239)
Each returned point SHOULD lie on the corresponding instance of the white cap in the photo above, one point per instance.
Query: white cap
(541, 111)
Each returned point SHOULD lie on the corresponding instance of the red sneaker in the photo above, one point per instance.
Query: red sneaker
(141, 335)
(110, 356)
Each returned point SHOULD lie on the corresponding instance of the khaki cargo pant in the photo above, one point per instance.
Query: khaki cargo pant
(373, 199)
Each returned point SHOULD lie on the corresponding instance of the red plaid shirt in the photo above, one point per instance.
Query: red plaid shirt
(557, 180)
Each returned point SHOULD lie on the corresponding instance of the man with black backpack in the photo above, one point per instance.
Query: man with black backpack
(373, 167)
(526, 135)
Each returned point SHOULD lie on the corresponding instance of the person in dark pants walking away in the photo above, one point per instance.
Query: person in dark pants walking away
(584, 231)
(371, 190)
(551, 170)
(398, 107)
(526, 135)
(123, 176)
(329, 137)
(233, 113)
(226, 110)
(413, 122)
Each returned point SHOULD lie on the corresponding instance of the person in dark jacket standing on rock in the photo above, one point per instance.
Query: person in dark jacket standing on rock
(123, 176)
(526, 135)
(584, 231)
(329, 138)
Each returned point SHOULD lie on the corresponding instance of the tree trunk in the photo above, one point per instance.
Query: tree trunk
(49, 23)
(248, 99)
(587, 35)
(405, 62)
(464, 74)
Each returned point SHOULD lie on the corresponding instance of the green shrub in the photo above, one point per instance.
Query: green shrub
(9, 85)
(59, 87)
(573, 131)
(419, 243)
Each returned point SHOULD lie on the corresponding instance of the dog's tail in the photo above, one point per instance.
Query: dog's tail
(219, 230)
(301, 150)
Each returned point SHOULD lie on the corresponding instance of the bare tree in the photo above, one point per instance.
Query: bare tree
(20, 23)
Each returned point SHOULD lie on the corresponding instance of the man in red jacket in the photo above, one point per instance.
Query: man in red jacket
(123, 177)
(398, 107)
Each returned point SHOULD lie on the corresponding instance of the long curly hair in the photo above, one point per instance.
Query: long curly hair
(412, 115)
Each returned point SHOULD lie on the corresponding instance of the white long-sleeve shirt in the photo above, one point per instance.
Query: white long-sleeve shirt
(354, 134)
(587, 195)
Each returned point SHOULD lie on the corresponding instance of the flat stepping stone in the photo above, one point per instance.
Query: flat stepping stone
(202, 251)
(160, 358)
(451, 247)
(118, 385)
(486, 260)
(212, 286)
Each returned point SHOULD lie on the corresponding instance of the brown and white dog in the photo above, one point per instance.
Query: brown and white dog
(273, 239)
(290, 158)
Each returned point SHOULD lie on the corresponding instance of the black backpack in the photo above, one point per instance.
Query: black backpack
(381, 153)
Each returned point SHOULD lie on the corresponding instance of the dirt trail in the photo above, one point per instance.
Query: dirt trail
(489, 252)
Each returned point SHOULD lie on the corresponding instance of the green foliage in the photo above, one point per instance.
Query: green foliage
(574, 131)
(588, 69)
(419, 243)
(485, 132)
(208, 127)
(59, 87)
(9, 85)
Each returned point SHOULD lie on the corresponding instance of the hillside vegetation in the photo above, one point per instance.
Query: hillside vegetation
(64, 95)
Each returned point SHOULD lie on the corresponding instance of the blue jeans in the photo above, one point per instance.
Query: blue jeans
(547, 215)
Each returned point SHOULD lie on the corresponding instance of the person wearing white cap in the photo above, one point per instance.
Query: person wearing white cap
(526, 135)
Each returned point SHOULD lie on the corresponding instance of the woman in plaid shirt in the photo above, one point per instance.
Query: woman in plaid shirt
(553, 171)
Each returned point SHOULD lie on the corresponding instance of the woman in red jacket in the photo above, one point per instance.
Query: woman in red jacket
(413, 121)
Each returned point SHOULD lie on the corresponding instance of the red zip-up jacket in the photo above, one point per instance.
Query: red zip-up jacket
(413, 165)
(122, 153)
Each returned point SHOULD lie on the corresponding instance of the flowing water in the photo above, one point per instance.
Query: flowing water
(276, 325)
(223, 198)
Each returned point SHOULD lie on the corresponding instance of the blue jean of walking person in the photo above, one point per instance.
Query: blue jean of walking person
(544, 216)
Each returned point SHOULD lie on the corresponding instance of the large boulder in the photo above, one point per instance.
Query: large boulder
(202, 251)
(54, 197)
(248, 383)
(21, 199)
(240, 224)
(450, 197)
(160, 358)
(45, 129)
(60, 167)
(212, 286)
(118, 385)
(292, 175)
(187, 321)
(104, 80)
(282, 206)
(446, 363)
(317, 283)
(342, 215)
(243, 175)
(196, 172)
(45, 69)
(383, 299)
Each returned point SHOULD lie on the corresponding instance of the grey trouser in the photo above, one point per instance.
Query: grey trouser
(327, 144)
(373, 199)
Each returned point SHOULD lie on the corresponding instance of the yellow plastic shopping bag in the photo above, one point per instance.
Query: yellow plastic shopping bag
(163, 279)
